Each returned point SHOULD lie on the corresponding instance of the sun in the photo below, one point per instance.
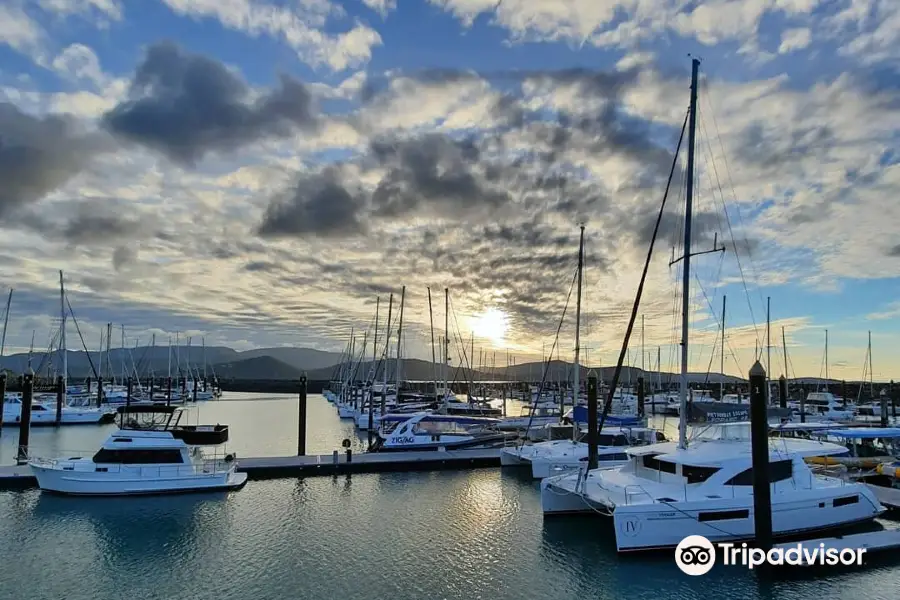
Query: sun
(492, 324)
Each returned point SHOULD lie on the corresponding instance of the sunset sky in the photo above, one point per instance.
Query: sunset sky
(257, 173)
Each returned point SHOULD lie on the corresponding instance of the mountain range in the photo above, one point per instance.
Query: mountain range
(286, 363)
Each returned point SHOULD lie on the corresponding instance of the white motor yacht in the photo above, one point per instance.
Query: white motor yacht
(44, 413)
(558, 456)
(153, 455)
(429, 431)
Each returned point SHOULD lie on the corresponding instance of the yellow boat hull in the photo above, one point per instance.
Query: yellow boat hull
(849, 461)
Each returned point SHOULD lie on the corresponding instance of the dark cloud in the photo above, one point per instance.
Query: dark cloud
(432, 170)
(776, 149)
(123, 256)
(893, 250)
(37, 155)
(318, 205)
(95, 222)
(186, 105)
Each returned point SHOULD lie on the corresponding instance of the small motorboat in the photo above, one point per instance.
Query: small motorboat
(150, 453)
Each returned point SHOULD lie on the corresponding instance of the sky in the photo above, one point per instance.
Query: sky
(259, 173)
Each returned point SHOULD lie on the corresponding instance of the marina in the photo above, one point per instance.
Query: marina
(449, 300)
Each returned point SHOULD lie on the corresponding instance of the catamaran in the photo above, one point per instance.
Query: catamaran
(668, 491)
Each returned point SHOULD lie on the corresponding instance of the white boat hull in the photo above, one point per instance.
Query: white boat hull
(135, 480)
(663, 525)
(12, 416)
(889, 497)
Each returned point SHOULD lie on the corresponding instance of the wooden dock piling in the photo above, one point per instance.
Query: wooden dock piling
(25, 418)
(759, 428)
(301, 418)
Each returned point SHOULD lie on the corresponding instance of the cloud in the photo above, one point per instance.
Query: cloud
(794, 39)
(382, 7)
(300, 26)
(87, 8)
(78, 61)
(890, 311)
(37, 155)
(186, 105)
(318, 204)
(19, 31)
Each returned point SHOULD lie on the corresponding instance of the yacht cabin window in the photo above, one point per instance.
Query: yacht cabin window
(650, 461)
(696, 474)
(138, 457)
(778, 471)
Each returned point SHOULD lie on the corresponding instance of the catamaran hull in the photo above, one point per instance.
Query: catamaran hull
(78, 483)
(889, 497)
(542, 468)
(662, 526)
(511, 457)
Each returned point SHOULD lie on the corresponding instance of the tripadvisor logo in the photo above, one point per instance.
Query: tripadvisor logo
(696, 555)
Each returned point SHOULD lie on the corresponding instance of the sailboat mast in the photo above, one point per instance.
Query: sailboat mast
(784, 350)
(433, 359)
(686, 278)
(5, 322)
(62, 335)
(871, 375)
(827, 382)
(400, 338)
(375, 339)
(722, 358)
(446, 335)
(577, 374)
(768, 349)
(576, 377)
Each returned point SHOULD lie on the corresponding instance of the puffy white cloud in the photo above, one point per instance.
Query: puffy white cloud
(794, 39)
(300, 26)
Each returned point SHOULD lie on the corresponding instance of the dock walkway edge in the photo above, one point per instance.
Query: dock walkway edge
(276, 467)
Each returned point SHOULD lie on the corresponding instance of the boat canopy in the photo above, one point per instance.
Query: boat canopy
(155, 408)
(866, 433)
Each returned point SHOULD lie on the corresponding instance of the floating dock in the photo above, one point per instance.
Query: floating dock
(274, 467)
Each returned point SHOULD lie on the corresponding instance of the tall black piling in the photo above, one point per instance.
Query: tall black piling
(301, 419)
(592, 420)
(759, 428)
(99, 391)
(884, 410)
(128, 387)
(782, 392)
(60, 390)
(168, 391)
(640, 399)
(803, 407)
(25, 418)
(194, 391)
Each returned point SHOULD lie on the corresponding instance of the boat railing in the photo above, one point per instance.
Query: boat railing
(203, 467)
(640, 492)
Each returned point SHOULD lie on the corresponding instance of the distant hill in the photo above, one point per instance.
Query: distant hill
(258, 367)
(300, 358)
(421, 370)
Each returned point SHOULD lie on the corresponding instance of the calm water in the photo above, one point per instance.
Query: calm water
(442, 535)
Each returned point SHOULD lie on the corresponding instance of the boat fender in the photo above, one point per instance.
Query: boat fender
(888, 470)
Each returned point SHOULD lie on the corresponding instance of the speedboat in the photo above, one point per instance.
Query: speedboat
(665, 493)
(429, 431)
(150, 453)
(558, 456)
(44, 413)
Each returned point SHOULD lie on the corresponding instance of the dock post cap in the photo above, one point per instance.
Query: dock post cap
(592, 373)
(757, 370)
(303, 379)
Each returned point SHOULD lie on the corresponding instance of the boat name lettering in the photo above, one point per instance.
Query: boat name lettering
(403, 440)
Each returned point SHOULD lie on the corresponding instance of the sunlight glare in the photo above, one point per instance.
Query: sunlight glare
(492, 324)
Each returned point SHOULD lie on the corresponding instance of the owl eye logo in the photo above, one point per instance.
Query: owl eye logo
(695, 555)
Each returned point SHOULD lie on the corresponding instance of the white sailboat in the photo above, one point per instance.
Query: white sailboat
(666, 492)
